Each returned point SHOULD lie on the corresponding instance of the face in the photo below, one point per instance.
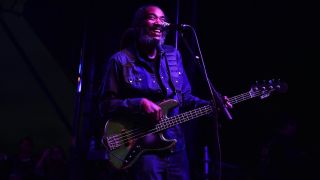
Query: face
(152, 32)
(154, 20)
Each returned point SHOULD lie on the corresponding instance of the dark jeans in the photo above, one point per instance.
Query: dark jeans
(164, 166)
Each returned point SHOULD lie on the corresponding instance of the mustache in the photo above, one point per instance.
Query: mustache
(158, 27)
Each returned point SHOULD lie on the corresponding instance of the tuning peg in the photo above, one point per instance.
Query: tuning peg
(271, 84)
(255, 86)
(271, 81)
(278, 83)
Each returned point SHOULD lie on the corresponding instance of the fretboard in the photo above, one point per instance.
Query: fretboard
(198, 112)
(245, 96)
(184, 117)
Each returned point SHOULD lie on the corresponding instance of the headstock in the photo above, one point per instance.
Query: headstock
(265, 88)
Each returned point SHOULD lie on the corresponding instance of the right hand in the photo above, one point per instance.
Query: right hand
(151, 109)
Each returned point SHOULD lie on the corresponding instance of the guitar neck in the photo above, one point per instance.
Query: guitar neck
(245, 96)
(198, 112)
(241, 97)
(184, 117)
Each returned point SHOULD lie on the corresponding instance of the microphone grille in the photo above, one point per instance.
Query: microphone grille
(165, 24)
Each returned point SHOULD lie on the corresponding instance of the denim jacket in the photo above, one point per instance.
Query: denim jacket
(128, 79)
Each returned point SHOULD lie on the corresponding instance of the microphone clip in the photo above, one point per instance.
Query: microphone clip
(169, 26)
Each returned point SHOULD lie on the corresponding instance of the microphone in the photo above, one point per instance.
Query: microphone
(174, 26)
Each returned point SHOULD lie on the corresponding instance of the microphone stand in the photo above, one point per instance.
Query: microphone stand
(215, 95)
(217, 100)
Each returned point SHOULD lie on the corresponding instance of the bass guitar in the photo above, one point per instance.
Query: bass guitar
(127, 140)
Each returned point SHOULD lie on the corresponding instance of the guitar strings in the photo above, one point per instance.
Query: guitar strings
(118, 138)
(165, 123)
(248, 95)
(140, 132)
(124, 138)
(240, 98)
(245, 96)
(168, 121)
(137, 133)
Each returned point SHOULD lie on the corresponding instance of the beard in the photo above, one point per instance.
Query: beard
(149, 41)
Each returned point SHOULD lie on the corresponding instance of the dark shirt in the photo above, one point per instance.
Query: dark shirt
(128, 78)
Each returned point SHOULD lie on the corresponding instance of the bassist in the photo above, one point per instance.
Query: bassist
(144, 73)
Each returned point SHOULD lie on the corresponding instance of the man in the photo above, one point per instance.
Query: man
(139, 77)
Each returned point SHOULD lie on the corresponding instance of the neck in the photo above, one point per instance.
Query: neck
(150, 52)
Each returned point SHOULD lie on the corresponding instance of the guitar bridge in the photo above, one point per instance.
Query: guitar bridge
(110, 142)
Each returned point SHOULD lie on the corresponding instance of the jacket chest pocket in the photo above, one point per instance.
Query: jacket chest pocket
(132, 77)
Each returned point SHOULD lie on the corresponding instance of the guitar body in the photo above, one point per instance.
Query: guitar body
(120, 138)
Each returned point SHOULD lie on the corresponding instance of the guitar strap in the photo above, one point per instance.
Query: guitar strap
(173, 72)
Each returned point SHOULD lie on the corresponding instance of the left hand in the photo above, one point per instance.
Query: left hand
(227, 102)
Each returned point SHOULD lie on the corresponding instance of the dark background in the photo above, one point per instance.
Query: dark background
(241, 41)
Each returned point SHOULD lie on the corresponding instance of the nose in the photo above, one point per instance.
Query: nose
(159, 21)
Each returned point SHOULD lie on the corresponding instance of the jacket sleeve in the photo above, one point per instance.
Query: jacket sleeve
(188, 99)
(110, 100)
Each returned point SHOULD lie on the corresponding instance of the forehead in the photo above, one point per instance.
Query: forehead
(154, 10)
